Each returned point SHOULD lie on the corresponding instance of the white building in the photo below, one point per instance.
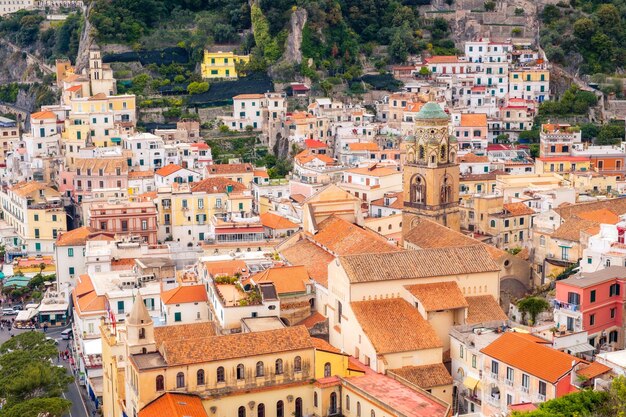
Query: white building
(69, 255)
(184, 304)
(173, 173)
(148, 151)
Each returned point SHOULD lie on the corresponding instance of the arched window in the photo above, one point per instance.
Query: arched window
(280, 409)
(442, 153)
(445, 195)
(297, 364)
(333, 403)
(200, 377)
(373, 413)
(260, 411)
(327, 371)
(348, 402)
(160, 384)
(260, 371)
(241, 412)
(220, 374)
(492, 223)
(421, 152)
(180, 380)
(542, 240)
(142, 333)
(418, 189)
(315, 399)
(358, 409)
(298, 412)
(241, 371)
(279, 367)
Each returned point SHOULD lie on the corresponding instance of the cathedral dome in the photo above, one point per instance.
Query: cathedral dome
(431, 110)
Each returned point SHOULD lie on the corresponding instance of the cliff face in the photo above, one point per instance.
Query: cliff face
(293, 52)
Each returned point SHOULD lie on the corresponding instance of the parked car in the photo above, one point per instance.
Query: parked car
(8, 311)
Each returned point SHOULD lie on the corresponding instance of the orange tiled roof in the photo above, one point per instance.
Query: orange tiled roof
(43, 115)
(482, 309)
(74, 88)
(183, 331)
(595, 369)
(307, 156)
(86, 301)
(470, 157)
(393, 325)
(109, 166)
(286, 279)
(438, 296)
(344, 238)
(225, 169)
(312, 257)
(247, 96)
(312, 320)
(398, 202)
(185, 294)
(174, 405)
(219, 348)
(260, 173)
(363, 146)
(425, 376)
(533, 358)
(518, 209)
(230, 267)
(443, 59)
(321, 344)
(474, 120)
(373, 171)
(168, 170)
(140, 174)
(601, 216)
(274, 221)
(76, 237)
(217, 185)
(24, 189)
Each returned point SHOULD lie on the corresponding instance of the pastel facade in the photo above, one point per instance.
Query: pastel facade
(221, 64)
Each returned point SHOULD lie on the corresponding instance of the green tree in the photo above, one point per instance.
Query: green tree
(610, 134)
(529, 136)
(584, 28)
(582, 403)
(532, 306)
(398, 49)
(37, 407)
(198, 87)
(589, 131)
(550, 13)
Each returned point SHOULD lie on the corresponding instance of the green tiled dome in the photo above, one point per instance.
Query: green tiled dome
(431, 110)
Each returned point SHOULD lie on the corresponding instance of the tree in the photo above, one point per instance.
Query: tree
(37, 407)
(198, 87)
(424, 72)
(582, 403)
(531, 136)
(589, 131)
(398, 49)
(610, 134)
(550, 13)
(533, 306)
(584, 28)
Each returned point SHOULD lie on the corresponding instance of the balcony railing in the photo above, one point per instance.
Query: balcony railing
(509, 382)
(524, 389)
(541, 397)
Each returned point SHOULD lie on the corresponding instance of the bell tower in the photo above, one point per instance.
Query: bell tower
(431, 175)
(140, 329)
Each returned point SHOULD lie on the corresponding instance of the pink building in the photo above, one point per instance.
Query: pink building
(131, 219)
(593, 302)
(99, 174)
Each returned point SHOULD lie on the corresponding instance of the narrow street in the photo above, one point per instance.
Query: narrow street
(73, 393)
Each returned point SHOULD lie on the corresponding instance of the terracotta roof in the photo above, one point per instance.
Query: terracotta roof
(168, 170)
(43, 115)
(185, 294)
(374, 171)
(471, 158)
(217, 185)
(616, 205)
(225, 169)
(363, 146)
(312, 320)
(99, 96)
(398, 201)
(274, 221)
(24, 189)
(321, 344)
(518, 209)
(261, 173)
(344, 238)
(224, 347)
(140, 174)
(428, 234)
(438, 296)
(533, 358)
(86, 301)
(422, 263)
(314, 144)
(392, 325)
(109, 166)
(425, 376)
(483, 309)
(174, 405)
(76, 237)
(298, 198)
(413, 107)
(74, 88)
(594, 370)
(183, 331)
(312, 257)
(394, 395)
(443, 59)
(600, 216)
(570, 229)
(474, 120)
(307, 156)
(286, 279)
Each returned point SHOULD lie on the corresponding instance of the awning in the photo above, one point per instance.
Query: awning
(582, 348)
(116, 140)
(471, 383)
(93, 347)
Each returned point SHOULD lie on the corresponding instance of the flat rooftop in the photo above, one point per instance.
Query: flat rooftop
(589, 279)
(260, 324)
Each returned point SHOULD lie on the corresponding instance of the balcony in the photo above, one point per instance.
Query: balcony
(524, 389)
(541, 397)
(494, 376)
(494, 400)
(561, 305)
(509, 382)
(472, 397)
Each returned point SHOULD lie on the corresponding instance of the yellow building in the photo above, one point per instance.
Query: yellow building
(36, 212)
(530, 84)
(562, 165)
(221, 64)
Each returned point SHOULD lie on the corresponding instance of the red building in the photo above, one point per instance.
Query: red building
(593, 302)
(128, 218)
